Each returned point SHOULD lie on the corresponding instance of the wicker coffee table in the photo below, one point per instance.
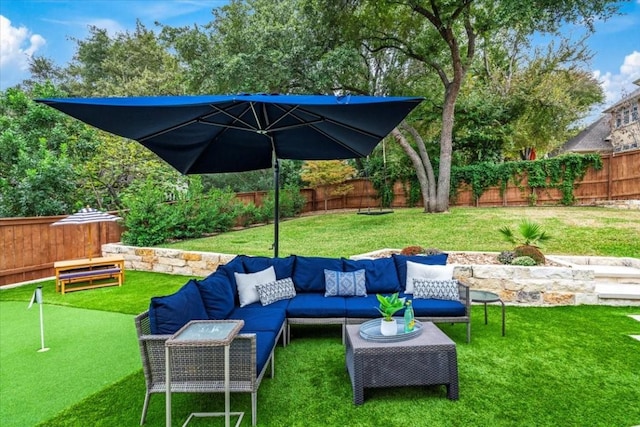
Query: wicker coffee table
(427, 359)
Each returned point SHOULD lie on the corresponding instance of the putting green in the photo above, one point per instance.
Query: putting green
(88, 350)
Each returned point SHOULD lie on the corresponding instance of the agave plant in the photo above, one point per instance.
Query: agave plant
(531, 234)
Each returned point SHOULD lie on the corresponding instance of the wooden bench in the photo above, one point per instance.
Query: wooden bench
(79, 274)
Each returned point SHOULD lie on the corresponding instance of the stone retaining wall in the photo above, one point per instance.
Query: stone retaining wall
(536, 286)
(171, 261)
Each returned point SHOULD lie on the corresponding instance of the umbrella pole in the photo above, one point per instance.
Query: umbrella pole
(276, 213)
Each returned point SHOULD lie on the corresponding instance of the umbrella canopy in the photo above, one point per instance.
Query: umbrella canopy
(87, 216)
(233, 133)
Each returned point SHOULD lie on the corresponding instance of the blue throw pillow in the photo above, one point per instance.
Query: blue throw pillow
(234, 266)
(401, 264)
(170, 313)
(381, 274)
(217, 295)
(308, 272)
(282, 266)
(345, 284)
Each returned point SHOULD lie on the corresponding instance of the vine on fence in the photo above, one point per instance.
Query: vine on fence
(561, 172)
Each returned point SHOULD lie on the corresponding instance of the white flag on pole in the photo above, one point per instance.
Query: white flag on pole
(36, 297)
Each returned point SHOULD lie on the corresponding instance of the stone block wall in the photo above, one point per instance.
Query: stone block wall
(171, 261)
(534, 286)
(538, 286)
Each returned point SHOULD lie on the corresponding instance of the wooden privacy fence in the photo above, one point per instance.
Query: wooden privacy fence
(30, 246)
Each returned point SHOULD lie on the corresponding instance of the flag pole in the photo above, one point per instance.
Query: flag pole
(37, 298)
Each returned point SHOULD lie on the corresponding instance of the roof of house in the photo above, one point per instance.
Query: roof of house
(594, 138)
(630, 97)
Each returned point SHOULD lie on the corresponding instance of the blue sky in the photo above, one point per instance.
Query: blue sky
(44, 27)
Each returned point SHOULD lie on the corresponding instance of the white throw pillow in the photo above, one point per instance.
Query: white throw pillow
(247, 282)
(423, 271)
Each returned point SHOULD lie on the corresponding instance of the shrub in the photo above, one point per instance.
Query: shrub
(506, 257)
(525, 261)
(531, 252)
(432, 251)
(412, 250)
(148, 218)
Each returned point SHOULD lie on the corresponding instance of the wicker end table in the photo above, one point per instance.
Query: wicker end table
(196, 335)
(427, 359)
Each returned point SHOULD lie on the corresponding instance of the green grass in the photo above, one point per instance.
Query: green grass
(574, 231)
(88, 351)
(570, 366)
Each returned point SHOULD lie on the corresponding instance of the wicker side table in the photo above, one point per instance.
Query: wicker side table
(195, 335)
(428, 359)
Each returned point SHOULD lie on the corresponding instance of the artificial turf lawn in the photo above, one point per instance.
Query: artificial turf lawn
(569, 366)
(89, 350)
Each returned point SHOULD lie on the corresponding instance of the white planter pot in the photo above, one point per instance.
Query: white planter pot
(388, 328)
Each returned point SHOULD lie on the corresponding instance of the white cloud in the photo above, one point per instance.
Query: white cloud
(616, 86)
(17, 45)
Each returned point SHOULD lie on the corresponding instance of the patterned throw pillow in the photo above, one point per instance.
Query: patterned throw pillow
(436, 289)
(275, 291)
(340, 283)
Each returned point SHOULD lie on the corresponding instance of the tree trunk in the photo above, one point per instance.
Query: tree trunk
(417, 164)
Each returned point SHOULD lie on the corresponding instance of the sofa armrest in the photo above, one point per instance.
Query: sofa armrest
(465, 297)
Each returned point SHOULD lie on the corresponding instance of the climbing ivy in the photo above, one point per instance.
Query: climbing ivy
(561, 172)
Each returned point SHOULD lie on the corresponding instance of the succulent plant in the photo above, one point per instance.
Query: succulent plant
(525, 261)
(506, 257)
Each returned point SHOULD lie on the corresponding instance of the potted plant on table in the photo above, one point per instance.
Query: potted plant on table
(389, 305)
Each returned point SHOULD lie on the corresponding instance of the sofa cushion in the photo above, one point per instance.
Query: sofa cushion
(423, 271)
(217, 296)
(436, 289)
(366, 307)
(276, 291)
(315, 305)
(380, 273)
(247, 282)
(265, 341)
(169, 313)
(233, 266)
(401, 264)
(308, 272)
(258, 318)
(282, 266)
(340, 283)
(437, 308)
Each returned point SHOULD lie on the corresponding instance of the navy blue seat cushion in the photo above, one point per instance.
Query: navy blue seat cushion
(259, 318)
(282, 266)
(401, 264)
(217, 296)
(380, 273)
(316, 305)
(308, 272)
(234, 266)
(169, 313)
(365, 307)
(436, 307)
(282, 305)
(265, 341)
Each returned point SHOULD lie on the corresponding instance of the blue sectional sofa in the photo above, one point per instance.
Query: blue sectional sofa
(271, 294)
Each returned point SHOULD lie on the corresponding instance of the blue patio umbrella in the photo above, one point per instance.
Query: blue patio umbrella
(233, 133)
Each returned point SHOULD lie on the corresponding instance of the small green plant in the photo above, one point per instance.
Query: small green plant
(531, 234)
(389, 305)
(506, 257)
(525, 261)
